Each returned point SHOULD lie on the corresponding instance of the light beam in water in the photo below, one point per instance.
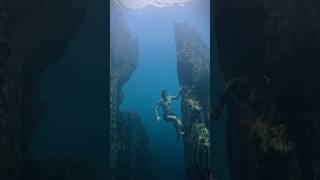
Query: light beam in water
(140, 4)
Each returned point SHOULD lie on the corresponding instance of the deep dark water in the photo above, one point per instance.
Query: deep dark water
(73, 92)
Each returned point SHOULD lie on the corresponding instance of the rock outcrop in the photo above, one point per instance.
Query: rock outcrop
(130, 156)
(33, 35)
(268, 52)
(193, 61)
(134, 160)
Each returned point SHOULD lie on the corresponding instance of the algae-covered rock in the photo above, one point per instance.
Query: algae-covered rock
(194, 76)
(257, 141)
(134, 160)
(130, 156)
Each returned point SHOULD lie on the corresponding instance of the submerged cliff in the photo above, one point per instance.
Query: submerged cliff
(268, 53)
(193, 61)
(33, 35)
(130, 156)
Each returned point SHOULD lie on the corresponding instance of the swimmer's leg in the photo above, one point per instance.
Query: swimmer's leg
(178, 124)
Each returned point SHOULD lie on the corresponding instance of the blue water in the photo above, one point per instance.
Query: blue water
(157, 70)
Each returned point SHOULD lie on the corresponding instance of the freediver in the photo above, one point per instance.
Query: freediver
(168, 114)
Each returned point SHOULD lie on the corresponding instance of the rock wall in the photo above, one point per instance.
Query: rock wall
(130, 156)
(33, 35)
(193, 61)
(134, 160)
(268, 52)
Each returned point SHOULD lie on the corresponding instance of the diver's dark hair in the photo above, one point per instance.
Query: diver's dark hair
(163, 93)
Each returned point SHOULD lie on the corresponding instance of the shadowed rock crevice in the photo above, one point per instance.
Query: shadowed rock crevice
(34, 35)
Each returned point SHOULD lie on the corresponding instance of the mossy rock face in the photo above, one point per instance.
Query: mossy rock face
(257, 140)
(130, 156)
(134, 159)
(194, 76)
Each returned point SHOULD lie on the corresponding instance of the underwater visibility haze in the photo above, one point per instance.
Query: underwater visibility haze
(151, 25)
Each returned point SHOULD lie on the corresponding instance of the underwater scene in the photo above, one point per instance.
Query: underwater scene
(160, 89)
(53, 90)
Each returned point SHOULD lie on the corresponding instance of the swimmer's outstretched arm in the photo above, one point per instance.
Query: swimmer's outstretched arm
(178, 96)
(157, 111)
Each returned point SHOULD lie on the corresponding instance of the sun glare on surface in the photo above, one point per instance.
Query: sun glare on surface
(140, 4)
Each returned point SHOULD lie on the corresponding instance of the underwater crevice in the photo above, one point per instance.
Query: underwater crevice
(34, 35)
